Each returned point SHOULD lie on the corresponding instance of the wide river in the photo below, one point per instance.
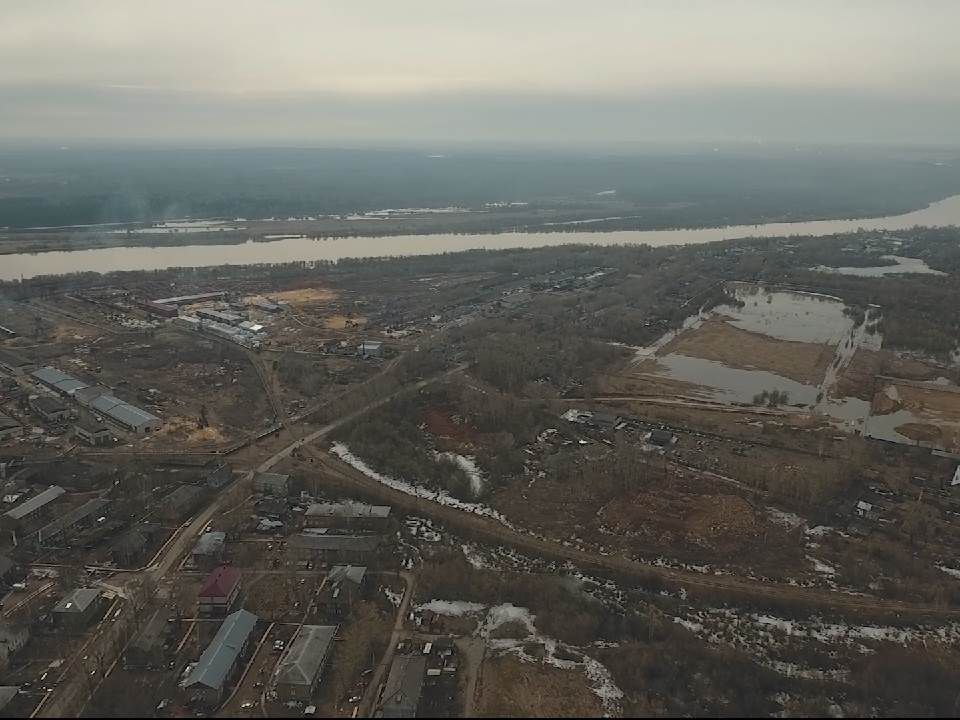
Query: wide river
(27, 265)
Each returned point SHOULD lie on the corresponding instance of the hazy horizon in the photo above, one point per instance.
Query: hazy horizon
(430, 72)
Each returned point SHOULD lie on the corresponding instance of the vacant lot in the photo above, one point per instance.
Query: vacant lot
(513, 688)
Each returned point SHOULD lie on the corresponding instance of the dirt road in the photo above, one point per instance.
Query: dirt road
(714, 587)
(369, 702)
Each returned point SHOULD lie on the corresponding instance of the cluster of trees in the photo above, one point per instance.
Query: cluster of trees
(772, 398)
(392, 442)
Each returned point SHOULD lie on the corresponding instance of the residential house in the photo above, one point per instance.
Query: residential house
(8, 694)
(180, 504)
(13, 637)
(78, 609)
(9, 428)
(7, 568)
(31, 511)
(219, 591)
(404, 686)
(133, 546)
(302, 665)
(217, 475)
(333, 549)
(148, 649)
(208, 551)
(274, 484)
(343, 585)
(208, 681)
(349, 515)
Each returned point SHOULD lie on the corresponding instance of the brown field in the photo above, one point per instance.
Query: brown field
(513, 688)
(643, 379)
(339, 322)
(718, 340)
(936, 409)
(305, 295)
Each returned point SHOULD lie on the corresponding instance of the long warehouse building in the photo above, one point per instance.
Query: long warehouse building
(100, 400)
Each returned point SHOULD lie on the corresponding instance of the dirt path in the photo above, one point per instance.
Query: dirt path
(369, 702)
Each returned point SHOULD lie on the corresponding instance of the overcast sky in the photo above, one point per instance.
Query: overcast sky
(547, 71)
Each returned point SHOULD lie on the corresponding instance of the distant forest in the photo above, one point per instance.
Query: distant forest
(83, 186)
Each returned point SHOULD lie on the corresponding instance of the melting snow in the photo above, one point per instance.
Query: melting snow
(469, 465)
(454, 608)
(439, 496)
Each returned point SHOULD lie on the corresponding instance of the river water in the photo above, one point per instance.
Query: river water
(26, 265)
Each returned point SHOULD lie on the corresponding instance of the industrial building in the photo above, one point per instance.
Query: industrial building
(207, 682)
(219, 592)
(161, 309)
(58, 381)
(127, 416)
(351, 515)
(49, 408)
(266, 305)
(370, 348)
(92, 432)
(78, 609)
(404, 686)
(98, 400)
(302, 665)
(186, 299)
(226, 318)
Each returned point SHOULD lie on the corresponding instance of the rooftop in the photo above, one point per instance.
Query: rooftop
(312, 541)
(348, 509)
(210, 543)
(77, 601)
(220, 582)
(216, 661)
(36, 502)
(401, 694)
(304, 658)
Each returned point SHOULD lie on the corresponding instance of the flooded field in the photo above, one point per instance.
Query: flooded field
(902, 266)
(792, 352)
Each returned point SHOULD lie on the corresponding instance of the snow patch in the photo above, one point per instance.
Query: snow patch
(438, 496)
(453, 608)
(468, 464)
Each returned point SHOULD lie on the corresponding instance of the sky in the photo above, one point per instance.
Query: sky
(330, 72)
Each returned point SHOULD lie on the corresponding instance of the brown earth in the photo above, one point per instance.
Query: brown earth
(304, 295)
(339, 322)
(718, 340)
(513, 688)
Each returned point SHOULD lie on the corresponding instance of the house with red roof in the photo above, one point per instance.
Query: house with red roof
(219, 591)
